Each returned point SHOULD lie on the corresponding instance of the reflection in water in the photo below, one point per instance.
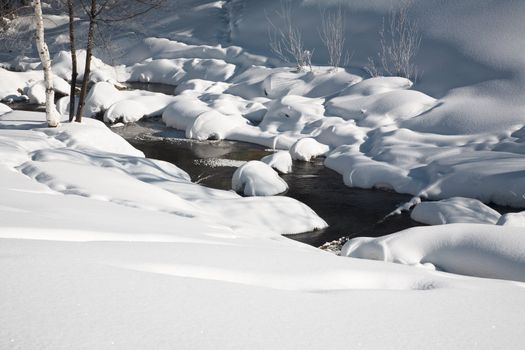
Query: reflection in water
(349, 211)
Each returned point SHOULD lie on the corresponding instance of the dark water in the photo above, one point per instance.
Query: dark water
(153, 87)
(26, 106)
(349, 211)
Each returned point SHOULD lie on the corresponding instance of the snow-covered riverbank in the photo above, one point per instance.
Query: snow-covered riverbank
(101, 247)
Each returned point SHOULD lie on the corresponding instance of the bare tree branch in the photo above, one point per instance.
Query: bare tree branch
(286, 41)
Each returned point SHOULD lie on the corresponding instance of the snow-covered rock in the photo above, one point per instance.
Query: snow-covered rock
(100, 71)
(307, 148)
(335, 131)
(454, 210)
(127, 111)
(213, 125)
(292, 113)
(469, 249)
(280, 161)
(103, 95)
(256, 178)
(512, 219)
(37, 91)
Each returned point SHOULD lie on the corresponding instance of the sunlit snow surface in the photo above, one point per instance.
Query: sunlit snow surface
(101, 247)
(94, 236)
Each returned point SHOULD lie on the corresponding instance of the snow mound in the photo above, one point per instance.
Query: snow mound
(279, 82)
(472, 110)
(213, 125)
(376, 86)
(321, 82)
(335, 131)
(280, 214)
(435, 166)
(307, 148)
(382, 109)
(479, 250)
(228, 104)
(497, 177)
(100, 71)
(162, 48)
(512, 219)
(12, 84)
(292, 113)
(103, 95)
(37, 91)
(182, 112)
(175, 71)
(127, 111)
(256, 178)
(361, 171)
(92, 134)
(454, 210)
(280, 161)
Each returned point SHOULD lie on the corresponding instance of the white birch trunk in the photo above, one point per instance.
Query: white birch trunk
(52, 116)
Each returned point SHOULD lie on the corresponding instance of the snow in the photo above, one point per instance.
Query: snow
(454, 210)
(280, 161)
(100, 71)
(104, 95)
(307, 148)
(213, 125)
(512, 219)
(37, 91)
(469, 249)
(257, 178)
(13, 83)
(126, 251)
(4, 108)
(381, 109)
(175, 71)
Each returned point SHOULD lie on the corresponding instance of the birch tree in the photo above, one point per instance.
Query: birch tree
(52, 115)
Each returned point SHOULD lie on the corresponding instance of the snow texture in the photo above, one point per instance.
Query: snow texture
(256, 178)
(454, 210)
(469, 249)
(102, 247)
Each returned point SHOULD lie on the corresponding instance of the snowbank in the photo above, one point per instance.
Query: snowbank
(130, 105)
(280, 161)
(175, 71)
(512, 219)
(454, 210)
(307, 148)
(256, 178)
(100, 71)
(470, 249)
(217, 258)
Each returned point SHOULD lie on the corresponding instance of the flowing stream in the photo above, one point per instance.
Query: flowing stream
(349, 211)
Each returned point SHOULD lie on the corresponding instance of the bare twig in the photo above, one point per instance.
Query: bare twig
(332, 31)
(286, 41)
(400, 40)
